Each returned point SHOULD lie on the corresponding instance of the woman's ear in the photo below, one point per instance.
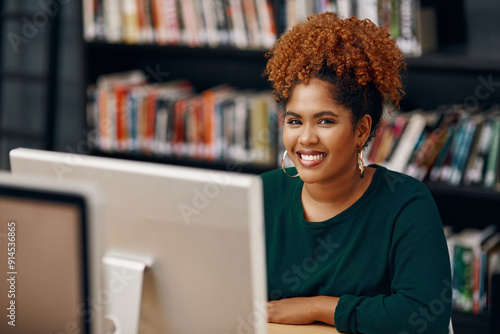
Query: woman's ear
(363, 129)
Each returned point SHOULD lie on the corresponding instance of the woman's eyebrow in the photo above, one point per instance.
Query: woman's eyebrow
(317, 115)
(292, 114)
(325, 113)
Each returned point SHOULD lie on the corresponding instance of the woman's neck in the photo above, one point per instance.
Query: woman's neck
(322, 201)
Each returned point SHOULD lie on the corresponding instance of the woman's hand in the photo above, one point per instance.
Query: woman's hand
(302, 310)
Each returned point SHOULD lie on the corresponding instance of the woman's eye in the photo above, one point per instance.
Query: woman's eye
(326, 121)
(293, 122)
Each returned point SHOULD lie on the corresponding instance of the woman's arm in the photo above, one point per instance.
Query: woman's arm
(303, 310)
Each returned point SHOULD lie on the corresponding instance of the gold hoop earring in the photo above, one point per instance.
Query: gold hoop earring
(283, 165)
(361, 164)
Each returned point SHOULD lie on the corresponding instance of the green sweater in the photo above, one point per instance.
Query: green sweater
(385, 257)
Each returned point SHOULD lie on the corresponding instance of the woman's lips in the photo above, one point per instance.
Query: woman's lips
(309, 159)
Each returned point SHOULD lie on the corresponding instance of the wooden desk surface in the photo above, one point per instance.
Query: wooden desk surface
(316, 328)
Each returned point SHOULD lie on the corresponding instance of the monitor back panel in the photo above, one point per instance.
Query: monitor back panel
(202, 229)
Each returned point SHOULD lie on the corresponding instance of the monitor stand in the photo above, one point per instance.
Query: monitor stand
(122, 293)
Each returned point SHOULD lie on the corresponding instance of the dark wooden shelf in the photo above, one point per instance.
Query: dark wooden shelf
(29, 77)
(465, 207)
(464, 323)
(472, 191)
(179, 50)
(456, 61)
(205, 67)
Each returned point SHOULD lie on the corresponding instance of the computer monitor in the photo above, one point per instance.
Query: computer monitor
(49, 246)
(193, 239)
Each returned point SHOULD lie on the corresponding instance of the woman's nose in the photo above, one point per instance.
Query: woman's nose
(308, 136)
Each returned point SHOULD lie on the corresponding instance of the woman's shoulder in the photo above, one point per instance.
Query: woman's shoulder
(276, 176)
(407, 198)
(277, 181)
(398, 184)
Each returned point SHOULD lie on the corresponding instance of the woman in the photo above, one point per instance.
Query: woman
(360, 248)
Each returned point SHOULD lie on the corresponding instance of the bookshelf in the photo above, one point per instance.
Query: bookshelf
(451, 74)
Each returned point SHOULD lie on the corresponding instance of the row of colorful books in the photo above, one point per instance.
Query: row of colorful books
(475, 258)
(237, 23)
(413, 26)
(128, 115)
(449, 145)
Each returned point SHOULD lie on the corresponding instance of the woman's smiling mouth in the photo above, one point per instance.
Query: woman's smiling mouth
(310, 158)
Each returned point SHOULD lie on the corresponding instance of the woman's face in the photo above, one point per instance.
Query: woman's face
(318, 134)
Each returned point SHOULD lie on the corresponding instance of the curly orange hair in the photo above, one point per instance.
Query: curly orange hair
(358, 57)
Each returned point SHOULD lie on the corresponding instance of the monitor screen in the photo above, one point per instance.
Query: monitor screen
(199, 233)
(44, 233)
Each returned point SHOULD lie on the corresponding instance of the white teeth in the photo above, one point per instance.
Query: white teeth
(312, 157)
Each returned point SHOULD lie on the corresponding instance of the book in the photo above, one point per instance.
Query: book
(368, 9)
(407, 38)
(112, 96)
(385, 146)
(89, 22)
(238, 32)
(492, 163)
(417, 28)
(407, 143)
(211, 114)
(260, 138)
(425, 156)
(345, 8)
(291, 16)
(455, 146)
(442, 157)
(459, 160)
(221, 22)
(467, 257)
(172, 21)
(158, 23)
(490, 250)
(141, 20)
(179, 139)
(252, 23)
(266, 23)
(112, 20)
(397, 130)
(131, 33)
(475, 166)
(167, 93)
(241, 111)
(100, 25)
(385, 14)
(193, 118)
(190, 31)
(371, 154)
(210, 19)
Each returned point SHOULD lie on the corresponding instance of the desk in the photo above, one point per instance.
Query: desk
(316, 328)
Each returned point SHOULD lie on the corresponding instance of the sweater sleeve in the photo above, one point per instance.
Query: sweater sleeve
(419, 269)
